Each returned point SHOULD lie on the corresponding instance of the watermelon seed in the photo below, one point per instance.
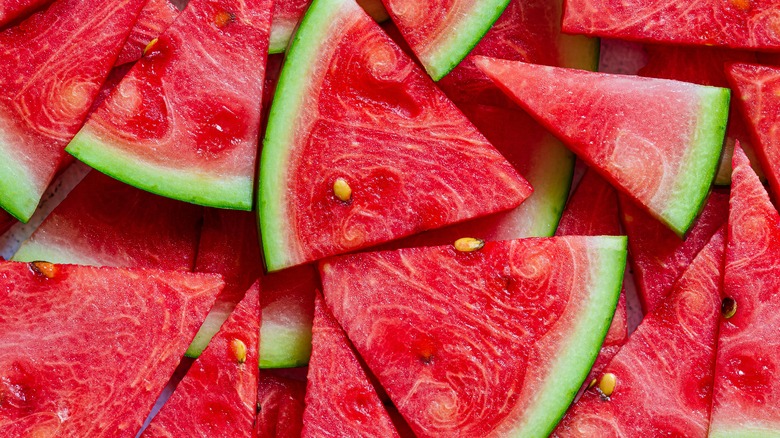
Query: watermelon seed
(223, 18)
(149, 46)
(239, 350)
(43, 269)
(607, 384)
(592, 383)
(469, 244)
(728, 307)
(342, 190)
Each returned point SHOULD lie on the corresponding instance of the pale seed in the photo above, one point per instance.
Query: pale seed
(239, 350)
(607, 384)
(469, 244)
(149, 46)
(44, 269)
(342, 190)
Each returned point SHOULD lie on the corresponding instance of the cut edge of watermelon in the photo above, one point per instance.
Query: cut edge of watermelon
(188, 186)
(574, 362)
(746, 431)
(281, 33)
(20, 196)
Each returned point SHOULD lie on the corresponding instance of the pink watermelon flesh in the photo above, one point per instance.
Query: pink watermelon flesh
(154, 18)
(667, 165)
(340, 401)
(412, 160)
(104, 222)
(51, 68)
(184, 122)
(736, 23)
(280, 402)
(758, 93)
(435, 326)
(78, 358)
(218, 396)
(659, 256)
(12, 10)
(747, 388)
(593, 211)
(664, 373)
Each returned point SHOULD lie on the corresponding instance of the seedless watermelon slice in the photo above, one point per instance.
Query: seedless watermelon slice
(362, 148)
(78, 357)
(660, 382)
(218, 395)
(281, 403)
(154, 18)
(747, 387)
(184, 122)
(51, 68)
(436, 327)
(656, 140)
(340, 400)
(11, 10)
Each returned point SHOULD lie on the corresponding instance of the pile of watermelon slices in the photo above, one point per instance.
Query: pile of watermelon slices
(284, 218)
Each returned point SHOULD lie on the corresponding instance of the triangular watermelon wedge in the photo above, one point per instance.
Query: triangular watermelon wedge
(758, 93)
(746, 401)
(495, 341)
(218, 395)
(184, 122)
(280, 402)
(340, 400)
(11, 10)
(656, 140)
(660, 382)
(86, 351)
(154, 18)
(48, 86)
(362, 148)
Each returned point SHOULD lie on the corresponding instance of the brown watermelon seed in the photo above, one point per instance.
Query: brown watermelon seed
(728, 307)
(239, 350)
(469, 244)
(43, 269)
(149, 46)
(607, 384)
(342, 190)
(223, 18)
(592, 383)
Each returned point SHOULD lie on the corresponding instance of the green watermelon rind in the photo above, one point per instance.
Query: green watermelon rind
(700, 163)
(31, 251)
(607, 259)
(183, 185)
(210, 327)
(745, 431)
(18, 195)
(284, 347)
(280, 37)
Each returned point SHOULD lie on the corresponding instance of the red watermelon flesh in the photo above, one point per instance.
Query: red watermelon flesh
(659, 256)
(436, 325)
(78, 358)
(667, 166)
(758, 93)
(592, 210)
(218, 395)
(664, 373)
(184, 122)
(746, 398)
(51, 68)
(734, 23)
(340, 400)
(280, 402)
(383, 122)
(6, 221)
(154, 18)
(11, 10)
(104, 222)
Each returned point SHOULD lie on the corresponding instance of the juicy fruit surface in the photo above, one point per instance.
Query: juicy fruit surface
(281, 402)
(12, 10)
(340, 400)
(664, 372)
(733, 23)
(51, 68)
(747, 391)
(78, 358)
(154, 18)
(421, 316)
(758, 92)
(441, 33)
(104, 222)
(659, 256)
(367, 102)
(218, 395)
(660, 143)
(184, 122)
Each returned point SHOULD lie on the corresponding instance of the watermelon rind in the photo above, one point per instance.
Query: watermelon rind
(607, 259)
(285, 346)
(577, 51)
(190, 185)
(745, 431)
(701, 162)
(19, 194)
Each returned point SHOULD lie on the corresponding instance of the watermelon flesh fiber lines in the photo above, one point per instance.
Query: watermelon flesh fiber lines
(11, 10)
(281, 402)
(154, 18)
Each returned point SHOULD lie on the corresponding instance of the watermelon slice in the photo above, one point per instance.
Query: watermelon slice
(280, 402)
(340, 401)
(659, 256)
(747, 388)
(758, 93)
(400, 157)
(736, 23)
(218, 396)
(184, 122)
(11, 10)
(660, 382)
(593, 211)
(155, 17)
(667, 166)
(48, 86)
(78, 357)
(435, 325)
(104, 222)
